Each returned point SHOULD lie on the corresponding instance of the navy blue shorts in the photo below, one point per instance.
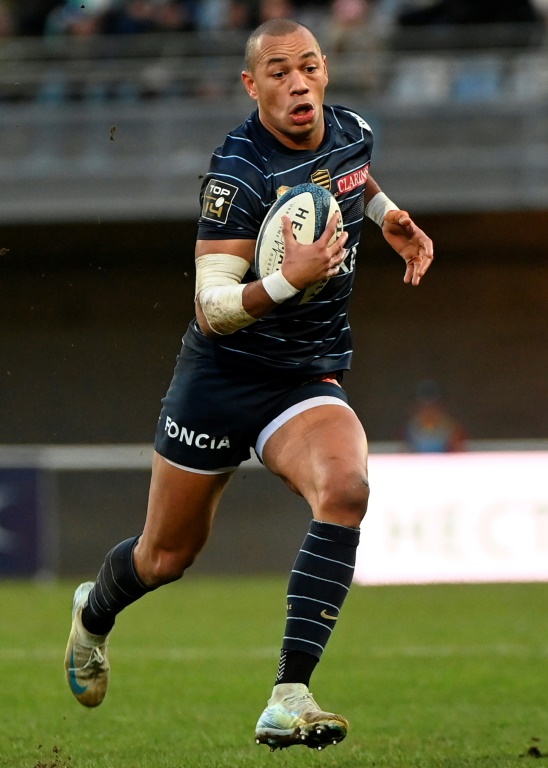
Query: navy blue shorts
(211, 418)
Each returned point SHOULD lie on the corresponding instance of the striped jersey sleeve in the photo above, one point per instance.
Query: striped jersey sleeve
(232, 197)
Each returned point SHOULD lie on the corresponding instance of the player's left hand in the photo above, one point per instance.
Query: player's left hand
(413, 245)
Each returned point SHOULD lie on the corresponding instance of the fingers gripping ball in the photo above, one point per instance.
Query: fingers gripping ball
(309, 207)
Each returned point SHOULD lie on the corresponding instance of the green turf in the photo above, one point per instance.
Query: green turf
(434, 676)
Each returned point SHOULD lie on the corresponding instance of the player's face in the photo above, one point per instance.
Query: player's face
(288, 83)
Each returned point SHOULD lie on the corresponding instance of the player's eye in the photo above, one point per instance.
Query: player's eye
(278, 75)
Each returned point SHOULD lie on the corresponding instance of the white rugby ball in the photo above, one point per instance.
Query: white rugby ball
(309, 207)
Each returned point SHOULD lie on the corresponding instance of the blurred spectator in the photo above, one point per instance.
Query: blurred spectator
(30, 16)
(385, 15)
(348, 24)
(212, 14)
(174, 16)
(314, 16)
(91, 17)
(81, 18)
(470, 12)
(541, 6)
(276, 9)
(463, 24)
(7, 26)
(430, 428)
(240, 15)
(131, 17)
(224, 14)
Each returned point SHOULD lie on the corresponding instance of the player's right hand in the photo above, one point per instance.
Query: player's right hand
(304, 265)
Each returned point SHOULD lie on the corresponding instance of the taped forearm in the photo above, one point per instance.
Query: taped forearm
(219, 289)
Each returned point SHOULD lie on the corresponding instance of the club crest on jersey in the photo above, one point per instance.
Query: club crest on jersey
(218, 197)
(322, 178)
(352, 180)
(281, 191)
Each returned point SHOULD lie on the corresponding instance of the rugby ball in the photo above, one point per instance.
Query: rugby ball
(309, 207)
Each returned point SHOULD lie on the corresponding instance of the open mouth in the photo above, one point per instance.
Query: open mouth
(302, 113)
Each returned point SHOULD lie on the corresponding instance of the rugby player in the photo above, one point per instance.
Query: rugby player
(259, 369)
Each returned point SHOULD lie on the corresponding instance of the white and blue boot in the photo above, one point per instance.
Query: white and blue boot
(293, 717)
(86, 661)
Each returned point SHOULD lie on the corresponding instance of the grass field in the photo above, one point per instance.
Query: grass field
(445, 676)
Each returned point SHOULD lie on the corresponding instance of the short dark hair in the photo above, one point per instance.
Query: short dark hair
(273, 28)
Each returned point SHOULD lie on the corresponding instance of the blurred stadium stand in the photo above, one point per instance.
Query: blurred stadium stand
(122, 127)
(117, 130)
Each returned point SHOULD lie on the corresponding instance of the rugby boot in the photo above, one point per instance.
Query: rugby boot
(293, 717)
(86, 661)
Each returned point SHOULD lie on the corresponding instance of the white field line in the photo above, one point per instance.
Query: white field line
(206, 654)
(136, 654)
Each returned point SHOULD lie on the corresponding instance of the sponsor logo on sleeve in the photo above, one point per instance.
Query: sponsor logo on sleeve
(218, 197)
(352, 180)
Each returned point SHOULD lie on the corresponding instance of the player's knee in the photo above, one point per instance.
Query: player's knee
(164, 566)
(344, 499)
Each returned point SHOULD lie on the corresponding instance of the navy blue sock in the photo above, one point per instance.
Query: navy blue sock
(116, 587)
(295, 667)
(319, 583)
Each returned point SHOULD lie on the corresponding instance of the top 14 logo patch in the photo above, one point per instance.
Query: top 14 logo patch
(218, 197)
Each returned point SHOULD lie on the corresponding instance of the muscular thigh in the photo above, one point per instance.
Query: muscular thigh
(322, 455)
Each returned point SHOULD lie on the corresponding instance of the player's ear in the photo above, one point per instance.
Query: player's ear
(249, 84)
(324, 59)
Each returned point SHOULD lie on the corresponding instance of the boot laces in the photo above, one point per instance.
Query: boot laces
(96, 660)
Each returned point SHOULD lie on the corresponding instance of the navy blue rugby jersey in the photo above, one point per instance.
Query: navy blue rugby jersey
(246, 176)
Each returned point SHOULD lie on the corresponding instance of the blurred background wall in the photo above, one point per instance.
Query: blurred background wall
(109, 111)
